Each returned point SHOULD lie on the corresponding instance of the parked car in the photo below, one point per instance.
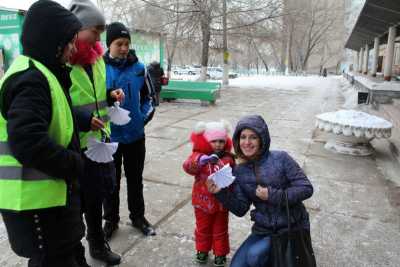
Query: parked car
(233, 75)
(180, 70)
(185, 70)
(216, 73)
(194, 70)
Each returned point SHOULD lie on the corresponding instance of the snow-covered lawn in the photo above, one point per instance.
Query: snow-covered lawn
(273, 82)
(284, 82)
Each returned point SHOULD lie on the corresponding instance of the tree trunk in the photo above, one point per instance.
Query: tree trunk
(260, 56)
(289, 46)
(225, 55)
(171, 54)
(283, 55)
(257, 66)
(206, 34)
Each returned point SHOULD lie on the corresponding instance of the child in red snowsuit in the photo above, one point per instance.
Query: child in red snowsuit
(211, 151)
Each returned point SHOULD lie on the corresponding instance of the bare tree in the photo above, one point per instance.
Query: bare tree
(186, 24)
(308, 24)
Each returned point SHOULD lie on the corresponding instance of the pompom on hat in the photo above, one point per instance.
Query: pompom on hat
(206, 132)
(213, 130)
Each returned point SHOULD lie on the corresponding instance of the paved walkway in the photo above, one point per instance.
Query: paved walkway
(354, 212)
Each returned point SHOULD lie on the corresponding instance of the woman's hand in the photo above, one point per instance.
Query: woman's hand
(96, 124)
(262, 192)
(118, 95)
(212, 187)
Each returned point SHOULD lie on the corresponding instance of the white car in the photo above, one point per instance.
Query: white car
(194, 70)
(180, 70)
(216, 73)
(184, 70)
(233, 75)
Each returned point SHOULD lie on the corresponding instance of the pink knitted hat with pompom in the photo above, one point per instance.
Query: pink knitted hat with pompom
(213, 130)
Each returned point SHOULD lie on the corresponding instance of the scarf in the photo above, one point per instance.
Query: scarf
(86, 54)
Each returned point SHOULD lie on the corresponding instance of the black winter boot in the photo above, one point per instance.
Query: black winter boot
(82, 262)
(100, 250)
(201, 257)
(219, 261)
(144, 226)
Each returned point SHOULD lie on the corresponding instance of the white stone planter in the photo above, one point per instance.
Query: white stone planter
(352, 131)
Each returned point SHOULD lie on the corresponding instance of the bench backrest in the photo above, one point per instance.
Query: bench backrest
(192, 85)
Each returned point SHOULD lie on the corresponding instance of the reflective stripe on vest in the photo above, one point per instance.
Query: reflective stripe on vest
(21, 173)
(24, 188)
(83, 95)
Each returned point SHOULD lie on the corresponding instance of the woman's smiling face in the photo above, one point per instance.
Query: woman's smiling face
(249, 143)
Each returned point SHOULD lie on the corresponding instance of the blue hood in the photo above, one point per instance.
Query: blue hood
(258, 125)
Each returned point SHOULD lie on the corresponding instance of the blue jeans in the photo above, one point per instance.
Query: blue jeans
(253, 252)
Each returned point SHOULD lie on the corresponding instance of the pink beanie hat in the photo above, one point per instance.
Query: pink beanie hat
(213, 130)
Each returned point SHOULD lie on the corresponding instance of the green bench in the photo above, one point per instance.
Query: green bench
(203, 91)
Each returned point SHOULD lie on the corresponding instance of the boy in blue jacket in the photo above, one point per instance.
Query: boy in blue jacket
(125, 71)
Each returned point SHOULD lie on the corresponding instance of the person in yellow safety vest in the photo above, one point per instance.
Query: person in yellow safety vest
(88, 93)
(40, 159)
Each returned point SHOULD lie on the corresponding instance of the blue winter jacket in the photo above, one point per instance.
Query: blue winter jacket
(129, 75)
(277, 171)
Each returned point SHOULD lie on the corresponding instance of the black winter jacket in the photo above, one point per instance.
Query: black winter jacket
(26, 104)
(156, 72)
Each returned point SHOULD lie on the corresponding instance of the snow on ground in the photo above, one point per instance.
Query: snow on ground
(350, 94)
(290, 83)
(284, 82)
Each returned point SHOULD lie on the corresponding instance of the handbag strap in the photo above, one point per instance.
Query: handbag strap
(287, 209)
(258, 181)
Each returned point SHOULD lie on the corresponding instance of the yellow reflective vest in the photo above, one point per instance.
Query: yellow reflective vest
(91, 96)
(24, 188)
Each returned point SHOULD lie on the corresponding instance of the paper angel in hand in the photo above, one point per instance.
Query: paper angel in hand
(101, 151)
(223, 177)
(118, 115)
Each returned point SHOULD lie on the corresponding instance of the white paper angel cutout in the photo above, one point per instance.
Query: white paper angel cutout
(223, 177)
(100, 151)
(118, 115)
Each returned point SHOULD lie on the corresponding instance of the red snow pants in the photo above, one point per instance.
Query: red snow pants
(212, 232)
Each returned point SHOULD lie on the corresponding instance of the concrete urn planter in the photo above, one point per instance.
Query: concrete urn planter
(352, 131)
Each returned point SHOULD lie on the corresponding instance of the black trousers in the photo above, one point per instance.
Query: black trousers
(132, 155)
(61, 260)
(157, 98)
(48, 237)
(97, 184)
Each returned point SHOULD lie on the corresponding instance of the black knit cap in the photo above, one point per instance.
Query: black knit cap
(47, 29)
(116, 30)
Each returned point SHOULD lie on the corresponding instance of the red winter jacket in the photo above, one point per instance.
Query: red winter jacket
(201, 198)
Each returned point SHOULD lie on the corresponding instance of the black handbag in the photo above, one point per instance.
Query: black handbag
(291, 248)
